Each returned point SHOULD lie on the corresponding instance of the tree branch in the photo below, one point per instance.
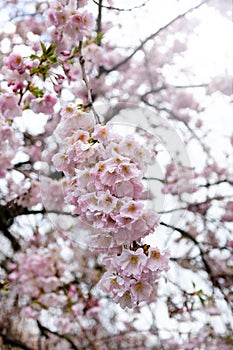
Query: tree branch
(6, 220)
(152, 36)
(120, 9)
(86, 81)
(99, 21)
(44, 330)
(213, 279)
(14, 342)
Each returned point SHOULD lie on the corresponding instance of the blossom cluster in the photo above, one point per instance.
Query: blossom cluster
(106, 172)
(37, 272)
(132, 276)
(19, 72)
(46, 279)
(68, 22)
(105, 187)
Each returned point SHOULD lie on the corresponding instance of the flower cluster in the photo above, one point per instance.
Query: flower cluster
(131, 277)
(20, 72)
(36, 272)
(68, 21)
(106, 173)
(47, 278)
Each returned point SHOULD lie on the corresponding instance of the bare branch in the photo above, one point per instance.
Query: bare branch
(152, 36)
(120, 9)
(214, 280)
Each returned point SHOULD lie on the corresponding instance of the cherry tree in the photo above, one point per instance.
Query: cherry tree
(115, 186)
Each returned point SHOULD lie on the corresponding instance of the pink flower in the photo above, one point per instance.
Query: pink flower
(88, 20)
(127, 146)
(157, 260)
(140, 291)
(110, 175)
(72, 291)
(57, 16)
(132, 209)
(110, 282)
(77, 20)
(132, 188)
(106, 202)
(28, 312)
(88, 201)
(83, 179)
(102, 133)
(9, 107)
(44, 104)
(15, 62)
(132, 263)
(80, 135)
(146, 224)
(73, 119)
(125, 299)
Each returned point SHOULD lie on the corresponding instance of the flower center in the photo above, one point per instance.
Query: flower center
(155, 255)
(133, 259)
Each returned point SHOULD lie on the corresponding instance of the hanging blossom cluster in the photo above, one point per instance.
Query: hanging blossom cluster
(131, 277)
(107, 193)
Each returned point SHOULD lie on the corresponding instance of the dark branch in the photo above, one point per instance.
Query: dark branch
(6, 220)
(14, 342)
(44, 331)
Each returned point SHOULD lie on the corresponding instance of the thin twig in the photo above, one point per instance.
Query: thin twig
(44, 329)
(86, 81)
(207, 267)
(99, 21)
(121, 9)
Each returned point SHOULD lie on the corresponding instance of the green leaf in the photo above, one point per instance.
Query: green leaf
(44, 70)
(34, 57)
(202, 300)
(34, 70)
(43, 47)
(37, 92)
(50, 50)
(53, 59)
(75, 50)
